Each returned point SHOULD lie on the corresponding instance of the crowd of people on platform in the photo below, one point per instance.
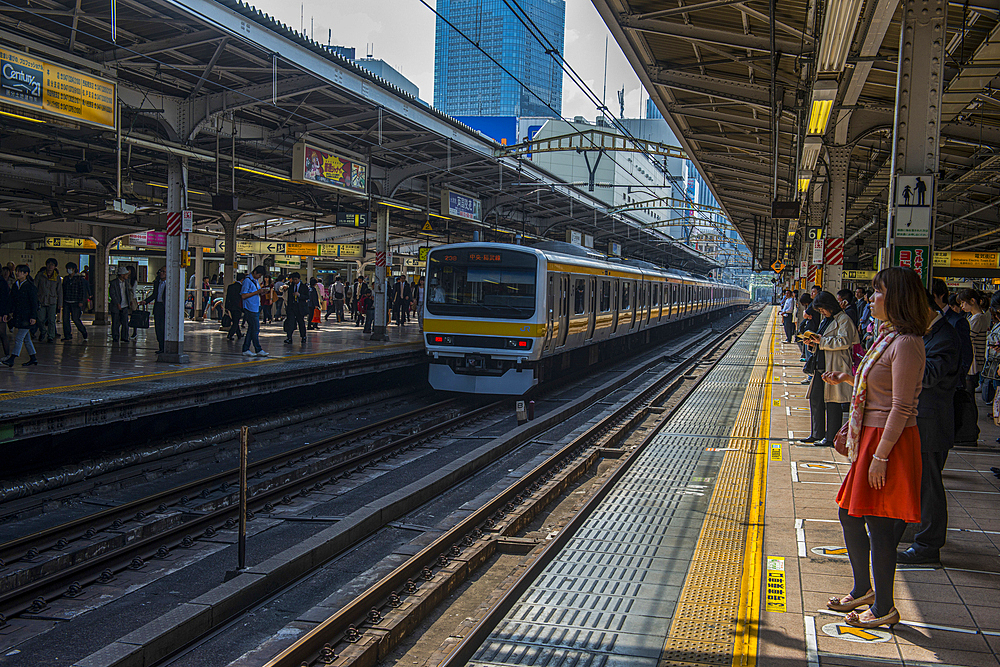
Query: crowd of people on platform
(31, 306)
(903, 364)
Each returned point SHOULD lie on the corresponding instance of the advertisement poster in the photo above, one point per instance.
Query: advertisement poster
(319, 166)
(36, 84)
(913, 257)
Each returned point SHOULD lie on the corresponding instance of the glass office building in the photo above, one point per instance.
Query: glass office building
(467, 83)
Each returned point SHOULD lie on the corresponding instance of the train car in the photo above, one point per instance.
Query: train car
(499, 318)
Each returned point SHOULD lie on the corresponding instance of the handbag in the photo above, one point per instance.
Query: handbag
(811, 362)
(227, 321)
(316, 316)
(840, 440)
(139, 319)
(966, 419)
(857, 356)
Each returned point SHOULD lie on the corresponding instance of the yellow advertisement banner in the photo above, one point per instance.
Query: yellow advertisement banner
(37, 84)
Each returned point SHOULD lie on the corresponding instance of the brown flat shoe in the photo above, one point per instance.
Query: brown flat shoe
(848, 603)
(890, 619)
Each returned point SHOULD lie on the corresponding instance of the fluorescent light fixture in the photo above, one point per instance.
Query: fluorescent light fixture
(811, 148)
(160, 185)
(399, 206)
(263, 173)
(839, 23)
(804, 178)
(20, 117)
(823, 95)
(435, 215)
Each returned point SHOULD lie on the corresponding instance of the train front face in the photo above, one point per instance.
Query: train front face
(484, 318)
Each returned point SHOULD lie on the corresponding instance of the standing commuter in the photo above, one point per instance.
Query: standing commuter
(121, 303)
(49, 286)
(266, 300)
(279, 295)
(24, 312)
(979, 326)
(133, 278)
(234, 307)
(788, 315)
(939, 289)
(315, 301)
(407, 300)
(338, 292)
(76, 292)
(845, 298)
(942, 376)
(250, 292)
(883, 445)
(158, 297)
(6, 308)
(419, 289)
(396, 295)
(296, 302)
(831, 345)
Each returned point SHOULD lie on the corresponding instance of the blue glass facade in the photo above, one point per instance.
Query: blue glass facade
(467, 83)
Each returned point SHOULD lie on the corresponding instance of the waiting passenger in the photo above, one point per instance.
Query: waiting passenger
(121, 303)
(6, 307)
(296, 303)
(158, 297)
(882, 441)
(831, 346)
(24, 311)
(234, 307)
(76, 292)
(49, 286)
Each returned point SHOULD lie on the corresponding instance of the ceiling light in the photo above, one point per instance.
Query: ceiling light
(263, 173)
(399, 206)
(20, 117)
(839, 23)
(823, 94)
(804, 178)
(810, 153)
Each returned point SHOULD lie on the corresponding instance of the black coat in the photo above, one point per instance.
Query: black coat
(961, 325)
(234, 301)
(24, 298)
(6, 305)
(935, 410)
(297, 300)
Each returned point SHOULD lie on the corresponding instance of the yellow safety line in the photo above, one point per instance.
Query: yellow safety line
(745, 649)
(186, 371)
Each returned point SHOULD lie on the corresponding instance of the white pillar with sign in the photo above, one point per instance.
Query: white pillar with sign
(381, 254)
(173, 348)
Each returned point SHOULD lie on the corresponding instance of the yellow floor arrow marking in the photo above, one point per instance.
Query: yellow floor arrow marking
(860, 633)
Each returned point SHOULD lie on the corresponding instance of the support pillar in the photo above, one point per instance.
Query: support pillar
(199, 276)
(917, 131)
(102, 258)
(836, 219)
(174, 307)
(229, 226)
(381, 252)
(309, 268)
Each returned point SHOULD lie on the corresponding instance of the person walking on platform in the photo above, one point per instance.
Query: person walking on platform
(882, 441)
(234, 307)
(396, 298)
(296, 302)
(50, 297)
(75, 291)
(121, 303)
(250, 292)
(407, 300)
(942, 376)
(158, 297)
(315, 304)
(831, 349)
(788, 315)
(24, 313)
(418, 288)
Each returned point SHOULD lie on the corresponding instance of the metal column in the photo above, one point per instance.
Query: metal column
(309, 268)
(102, 259)
(229, 226)
(381, 252)
(836, 219)
(917, 129)
(174, 307)
(199, 276)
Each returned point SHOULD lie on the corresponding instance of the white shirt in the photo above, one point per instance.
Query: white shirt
(788, 306)
(123, 293)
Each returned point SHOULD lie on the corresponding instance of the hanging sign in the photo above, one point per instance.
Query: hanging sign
(358, 220)
(318, 166)
(817, 251)
(457, 205)
(914, 204)
(967, 260)
(287, 261)
(39, 85)
(253, 247)
(851, 274)
(148, 239)
(67, 243)
(352, 250)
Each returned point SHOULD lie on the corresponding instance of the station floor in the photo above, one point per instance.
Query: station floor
(720, 545)
(64, 365)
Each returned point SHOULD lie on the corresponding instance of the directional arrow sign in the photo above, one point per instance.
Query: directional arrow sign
(852, 634)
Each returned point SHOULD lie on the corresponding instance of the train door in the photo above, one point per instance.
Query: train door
(614, 305)
(592, 319)
(563, 309)
(550, 304)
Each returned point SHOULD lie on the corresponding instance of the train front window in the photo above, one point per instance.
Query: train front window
(481, 283)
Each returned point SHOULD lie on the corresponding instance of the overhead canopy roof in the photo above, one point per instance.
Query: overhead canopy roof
(708, 65)
(234, 91)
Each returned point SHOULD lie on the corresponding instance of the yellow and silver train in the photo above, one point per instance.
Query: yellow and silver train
(500, 318)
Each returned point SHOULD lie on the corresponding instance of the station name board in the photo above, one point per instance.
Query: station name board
(456, 205)
(967, 260)
(39, 85)
(319, 166)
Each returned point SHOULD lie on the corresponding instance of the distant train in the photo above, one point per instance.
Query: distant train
(500, 318)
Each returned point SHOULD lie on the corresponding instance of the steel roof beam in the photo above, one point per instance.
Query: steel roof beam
(709, 35)
(723, 118)
(159, 46)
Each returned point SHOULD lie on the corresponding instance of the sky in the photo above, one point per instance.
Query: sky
(401, 32)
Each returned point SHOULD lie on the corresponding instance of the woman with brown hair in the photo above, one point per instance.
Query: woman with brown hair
(972, 303)
(882, 442)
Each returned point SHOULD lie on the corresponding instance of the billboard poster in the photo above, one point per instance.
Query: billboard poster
(318, 166)
(917, 258)
(39, 85)
(457, 205)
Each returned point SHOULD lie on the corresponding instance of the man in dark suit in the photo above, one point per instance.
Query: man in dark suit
(158, 297)
(296, 306)
(936, 424)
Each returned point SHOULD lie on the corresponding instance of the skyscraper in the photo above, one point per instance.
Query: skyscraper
(467, 83)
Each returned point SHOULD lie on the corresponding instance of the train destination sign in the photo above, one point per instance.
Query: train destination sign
(318, 166)
(39, 85)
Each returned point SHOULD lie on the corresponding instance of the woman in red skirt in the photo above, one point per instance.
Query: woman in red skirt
(881, 440)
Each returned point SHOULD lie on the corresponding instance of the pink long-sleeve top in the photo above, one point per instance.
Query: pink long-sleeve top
(894, 384)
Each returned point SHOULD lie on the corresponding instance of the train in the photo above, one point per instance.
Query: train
(500, 318)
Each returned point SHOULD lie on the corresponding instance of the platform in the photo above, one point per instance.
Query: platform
(98, 382)
(673, 566)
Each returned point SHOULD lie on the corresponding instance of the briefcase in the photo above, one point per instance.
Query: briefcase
(139, 319)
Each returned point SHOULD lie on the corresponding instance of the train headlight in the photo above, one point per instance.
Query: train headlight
(518, 344)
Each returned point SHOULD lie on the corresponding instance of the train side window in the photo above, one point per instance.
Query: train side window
(626, 304)
(605, 296)
(579, 296)
(656, 295)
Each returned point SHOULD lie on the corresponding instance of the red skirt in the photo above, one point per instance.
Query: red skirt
(899, 498)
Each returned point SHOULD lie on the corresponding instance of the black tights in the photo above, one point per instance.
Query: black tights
(878, 545)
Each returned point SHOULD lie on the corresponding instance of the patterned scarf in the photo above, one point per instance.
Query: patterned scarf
(886, 335)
